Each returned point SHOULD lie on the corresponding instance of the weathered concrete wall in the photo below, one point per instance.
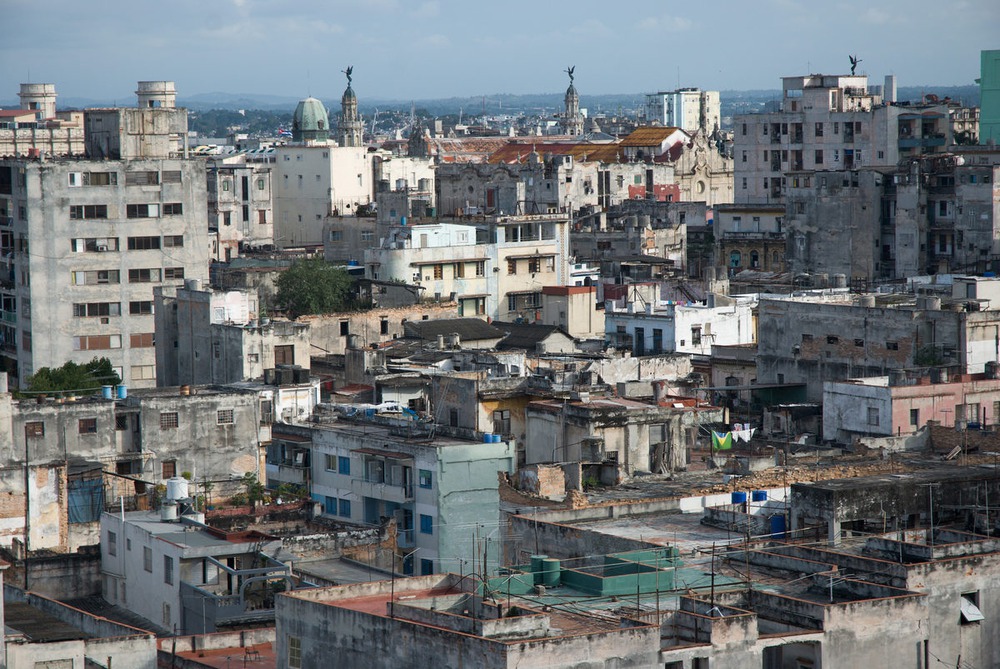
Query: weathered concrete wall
(373, 326)
(63, 576)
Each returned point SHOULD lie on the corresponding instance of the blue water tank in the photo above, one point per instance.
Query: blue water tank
(759, 496)
(778, 526)
(122, 392)
(487, 438)
(106, 392)
(739, 498)
(402, 220)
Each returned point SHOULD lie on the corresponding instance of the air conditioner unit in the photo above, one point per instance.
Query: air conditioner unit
(102, 247)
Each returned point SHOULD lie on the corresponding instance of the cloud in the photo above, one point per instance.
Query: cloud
(590, 28)
(667, 24)
(876, 16)
(427, 10)
(436, 41)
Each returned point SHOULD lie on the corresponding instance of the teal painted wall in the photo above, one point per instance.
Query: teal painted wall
(989, 98)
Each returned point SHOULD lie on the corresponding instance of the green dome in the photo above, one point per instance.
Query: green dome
(311, 121)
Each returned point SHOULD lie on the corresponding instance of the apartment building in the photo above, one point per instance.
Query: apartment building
(830, 122)
(84, 242)
(689, 109)
(240, 208)
(497, 268)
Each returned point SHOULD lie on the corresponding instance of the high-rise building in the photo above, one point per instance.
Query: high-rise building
(989, 98)
(690, 109)
(83, 242)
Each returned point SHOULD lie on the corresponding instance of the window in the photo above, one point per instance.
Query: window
(142, 178)
(460, 270)
(150, 275)
(34, 429)
(832, 339)
(173, 272)
(836, 127)
(345, 328)
(859, 343)
(501, 421)
(143, 372)
(914, 417)
(819, 156)
(344, 508)
(511, 267)
(147, 559)
(121, 421)
(344, 465)
(171, 176)
(481, 268)
(294, 646)
(100, 178)
(173, 241)
(142, 210)
(143, 243)
(970, 608)
(88, 211)
(743, 184)
(872, 416)
(696, 336)
(284, 354)
(168, 420)
(892, 345)
(87, 426)
(96, 309)
(168, 570)
(819, 129)
(224, 417)
(95, 277)
(426, 524)
(94, 244)
(425, 478)
(383, 327)
(534, 265)
(262, 219)
(141, 340)
(112, 543)
(438, 272)
(453, 417)
(260, 184)
(173, 209)
(168, 469)
(426, 567)
(140, 308)
(97, 342)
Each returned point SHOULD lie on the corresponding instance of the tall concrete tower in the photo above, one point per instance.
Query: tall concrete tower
(153, 94)
(350, 129)
(40, 98)
(572, 121)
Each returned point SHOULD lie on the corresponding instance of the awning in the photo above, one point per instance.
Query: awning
(392, 455)
(472, 296)
(971, 612)
(545, 254)
(445, 261)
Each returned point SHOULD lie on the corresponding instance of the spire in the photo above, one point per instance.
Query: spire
(350, 128)
(572, 122)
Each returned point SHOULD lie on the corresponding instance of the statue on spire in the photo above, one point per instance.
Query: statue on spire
(569, 71)
(348, 72)
(854, 62)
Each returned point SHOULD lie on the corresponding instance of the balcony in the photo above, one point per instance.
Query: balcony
(747, 235)
(8, 317)
(382, 490)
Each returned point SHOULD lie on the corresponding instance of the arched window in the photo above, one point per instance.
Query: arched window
(735, 258)
(754, 259)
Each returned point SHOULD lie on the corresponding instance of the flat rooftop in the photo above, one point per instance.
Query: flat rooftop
(37, 626)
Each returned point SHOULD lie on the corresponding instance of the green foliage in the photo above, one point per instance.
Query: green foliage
(73, 377)
(254, 488)
(288, 492)
(314, 286)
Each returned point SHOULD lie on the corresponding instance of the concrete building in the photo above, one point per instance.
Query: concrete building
(750, 237)
(215, 337)
(496, 270)
(187, 577)
(830, 122)
(615, 438)
(85, 287)
(38, 127)
(690, 109)
(632, 229)
(812, 339)
(438, 488)
(900, 404)
(989, 97)
(240, 209)
(654, 327)
(43, 632)
(574, 310)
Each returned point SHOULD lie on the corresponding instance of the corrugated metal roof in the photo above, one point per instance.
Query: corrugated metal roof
(648, 136)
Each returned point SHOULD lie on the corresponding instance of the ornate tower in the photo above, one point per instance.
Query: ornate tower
(309, 123)
(572, 121)
(350, 129)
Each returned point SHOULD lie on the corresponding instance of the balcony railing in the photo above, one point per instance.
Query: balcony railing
(382, 490)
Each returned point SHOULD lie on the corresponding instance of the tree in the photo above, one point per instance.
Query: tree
(73, 377)
(314, 287)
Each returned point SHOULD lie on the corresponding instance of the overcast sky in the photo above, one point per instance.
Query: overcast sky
(414, 49)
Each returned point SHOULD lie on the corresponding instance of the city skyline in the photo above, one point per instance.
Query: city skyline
(521, 50)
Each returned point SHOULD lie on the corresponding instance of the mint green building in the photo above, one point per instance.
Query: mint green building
(989, 98)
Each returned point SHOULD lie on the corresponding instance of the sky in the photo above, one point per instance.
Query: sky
(421, 49)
